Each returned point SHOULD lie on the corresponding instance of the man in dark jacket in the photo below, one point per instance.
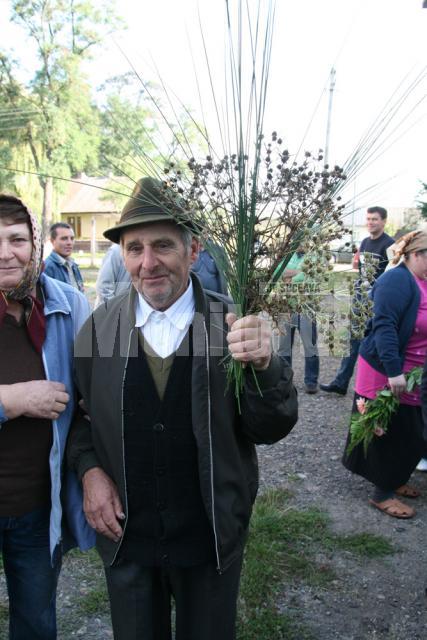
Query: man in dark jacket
(168, 462)
(376, 244)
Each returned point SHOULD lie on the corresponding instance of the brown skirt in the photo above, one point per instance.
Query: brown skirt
(391, 458)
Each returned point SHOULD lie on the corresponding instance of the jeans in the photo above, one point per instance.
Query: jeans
(31, 580)
(344, 373)
(308, 333)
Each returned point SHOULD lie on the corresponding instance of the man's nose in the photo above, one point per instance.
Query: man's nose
(149, 259)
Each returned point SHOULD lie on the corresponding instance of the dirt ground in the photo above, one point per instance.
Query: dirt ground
(381, 599)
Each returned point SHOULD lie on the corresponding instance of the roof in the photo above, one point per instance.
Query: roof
(90, 195)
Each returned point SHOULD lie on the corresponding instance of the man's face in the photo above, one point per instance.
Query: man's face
(63, 242)
(158, 262)
(375, 224)
(15, 252)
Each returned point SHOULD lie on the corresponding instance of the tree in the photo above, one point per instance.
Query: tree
(62, 130)
(133, 141)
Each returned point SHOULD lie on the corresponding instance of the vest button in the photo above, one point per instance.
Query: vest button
(158, 427)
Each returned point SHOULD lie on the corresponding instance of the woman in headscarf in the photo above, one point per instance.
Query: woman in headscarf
(39, 318)
(395, 343)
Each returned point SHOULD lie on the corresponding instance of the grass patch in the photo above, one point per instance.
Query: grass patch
(268, 558)
(91, 557)
(282, 547)
(95, 602)
(4, 612)
(367, 545)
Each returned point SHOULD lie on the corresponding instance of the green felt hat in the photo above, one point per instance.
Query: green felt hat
(152, 201)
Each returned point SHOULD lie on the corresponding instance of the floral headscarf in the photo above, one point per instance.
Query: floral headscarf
(410, 242)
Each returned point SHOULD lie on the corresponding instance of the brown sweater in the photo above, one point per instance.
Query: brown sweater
(25, 443)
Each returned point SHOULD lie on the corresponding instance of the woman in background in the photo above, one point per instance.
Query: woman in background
(395, 343)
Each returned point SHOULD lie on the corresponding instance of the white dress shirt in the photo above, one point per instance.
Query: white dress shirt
(165, 330)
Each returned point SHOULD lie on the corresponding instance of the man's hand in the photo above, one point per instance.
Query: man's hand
(102, 504)
(34, 399)
(397, 385)
(249, 340)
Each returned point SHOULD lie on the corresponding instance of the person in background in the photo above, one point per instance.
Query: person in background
(39, 318)
(375, 244)
(205, 267)
(307, 328)
(395, 343)
(113, 278)
(168, 462)
(59, 264)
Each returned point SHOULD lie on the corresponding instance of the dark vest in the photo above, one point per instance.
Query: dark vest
(167, 522)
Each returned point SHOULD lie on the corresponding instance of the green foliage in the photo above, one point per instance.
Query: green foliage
(366, 545)
(4, 612)
(95, 602)
(53, 115)
(373, 417)
(135, 141)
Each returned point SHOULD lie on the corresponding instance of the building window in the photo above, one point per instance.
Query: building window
(76, 223)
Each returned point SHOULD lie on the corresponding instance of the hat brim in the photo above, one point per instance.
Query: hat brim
(114, 233)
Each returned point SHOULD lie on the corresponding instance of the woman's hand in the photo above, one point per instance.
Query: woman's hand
(34, 399)
(397, 385)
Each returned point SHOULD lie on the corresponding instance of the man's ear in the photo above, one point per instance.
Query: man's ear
(194, 249)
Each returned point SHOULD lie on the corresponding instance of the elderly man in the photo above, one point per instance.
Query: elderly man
(40, 505)
(168, 463)
(59, 264)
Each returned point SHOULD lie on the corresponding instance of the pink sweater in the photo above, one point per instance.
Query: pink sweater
(369, 381)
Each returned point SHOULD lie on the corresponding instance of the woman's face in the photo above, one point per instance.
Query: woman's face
(417, 263)
(15, 252)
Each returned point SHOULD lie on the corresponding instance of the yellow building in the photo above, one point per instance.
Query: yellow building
(89, 210)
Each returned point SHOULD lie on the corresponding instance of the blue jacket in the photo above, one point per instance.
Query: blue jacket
(54, 268)
(65, 310)
(206, 269)
(396, 299)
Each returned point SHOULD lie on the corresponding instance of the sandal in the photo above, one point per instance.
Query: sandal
(394, 508)
(407, 491)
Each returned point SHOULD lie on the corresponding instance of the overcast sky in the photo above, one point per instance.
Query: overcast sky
(373, 45)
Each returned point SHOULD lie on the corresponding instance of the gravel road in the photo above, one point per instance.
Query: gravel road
(381, 599)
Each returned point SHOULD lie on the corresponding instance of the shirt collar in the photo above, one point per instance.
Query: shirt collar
(62, 260)
(180, 313)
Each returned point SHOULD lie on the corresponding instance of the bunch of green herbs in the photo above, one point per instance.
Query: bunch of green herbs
(373, 417)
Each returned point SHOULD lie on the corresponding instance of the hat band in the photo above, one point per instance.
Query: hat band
(143, 210)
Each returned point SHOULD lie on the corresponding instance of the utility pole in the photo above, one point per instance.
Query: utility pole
(328, 123)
